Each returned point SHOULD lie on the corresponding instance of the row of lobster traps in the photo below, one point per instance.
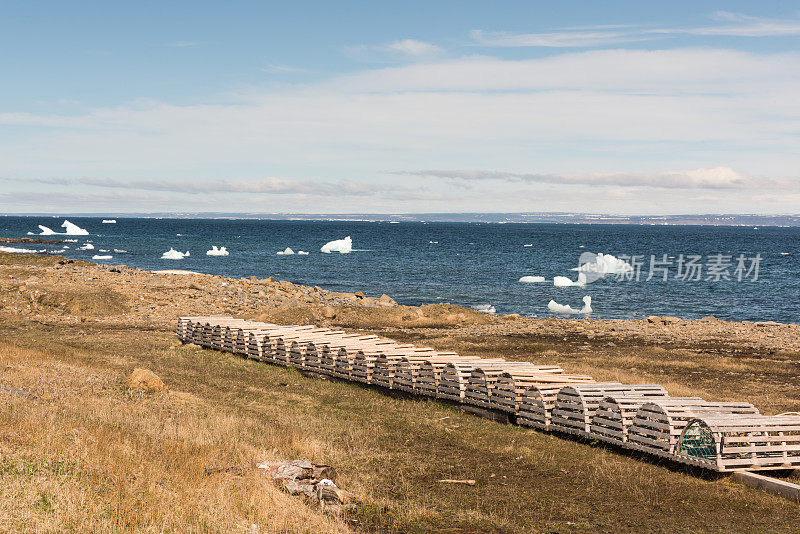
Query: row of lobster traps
(722, 436)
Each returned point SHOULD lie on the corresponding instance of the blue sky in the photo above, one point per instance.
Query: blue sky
(624, 107)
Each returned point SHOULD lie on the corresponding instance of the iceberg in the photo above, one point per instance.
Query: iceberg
(563, 281)
(86, 246)
(566, 309)
(302, 253)
(602, 264)
(343, 246)
(285, 252)
(109, 221)
(485, 308)
(18, 250)
(120, 251)
(531, 279)
(221, 251)
(69, 229)
(173, 254)
(99, 257)
(528, 245)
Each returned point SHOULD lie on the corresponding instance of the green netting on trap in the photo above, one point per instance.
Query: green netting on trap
(697, 441)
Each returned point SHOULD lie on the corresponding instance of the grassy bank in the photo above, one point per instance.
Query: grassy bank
(87, 455)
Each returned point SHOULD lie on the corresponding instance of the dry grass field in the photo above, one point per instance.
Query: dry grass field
(87, 455)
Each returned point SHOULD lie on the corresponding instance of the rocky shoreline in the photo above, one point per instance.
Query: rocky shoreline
(54, 289)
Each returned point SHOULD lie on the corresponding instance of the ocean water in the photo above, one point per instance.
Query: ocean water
(474, 264)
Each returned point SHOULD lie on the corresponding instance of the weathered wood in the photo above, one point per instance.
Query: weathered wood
(658, 423)
(782, 488)
(738, 442)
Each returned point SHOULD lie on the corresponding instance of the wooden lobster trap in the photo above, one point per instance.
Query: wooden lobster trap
(659, 423)
(454, 377)
(615, 415)
(511, 386)
(576, 405)
(386, 364)
(537, 403)
(741, 442)
(482, 381)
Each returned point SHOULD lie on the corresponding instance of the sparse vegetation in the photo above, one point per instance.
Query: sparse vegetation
(87, 453)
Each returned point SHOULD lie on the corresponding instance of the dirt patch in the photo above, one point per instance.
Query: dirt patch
(363, 317)
(8, 258)
(96, 302)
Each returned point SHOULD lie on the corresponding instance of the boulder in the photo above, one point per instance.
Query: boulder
(386, 300)
(671, 320)
(146, 380)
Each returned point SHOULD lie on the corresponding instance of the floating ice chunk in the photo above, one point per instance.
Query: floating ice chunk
(101, 257)
(44, 231)
(14, 250)
(531, 279)
(70, 241)
(566, 309)
(433, 242)
(179, 235)
(285, 252)
(343, 246)
(120, 251)
(69, 229)
(602, 264)
(73, 229)
(102, 250)
(109, 221)
(221, 251)
(485, 308)
(86, 246)
(173, 254)
(394, 222)
(784, 253)
(528, 245)
(302, 252)
(563, 281)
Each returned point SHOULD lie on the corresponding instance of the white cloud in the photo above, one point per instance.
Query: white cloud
(271, 67)
(562, 39)
(737, 25)
(413, 47)
(403, 49)
(714, 178)
(617, 110)
(181, 44)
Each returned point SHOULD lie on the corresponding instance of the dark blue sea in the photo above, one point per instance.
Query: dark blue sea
(475, 264)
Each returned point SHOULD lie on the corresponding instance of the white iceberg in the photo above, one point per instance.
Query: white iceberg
(602, 264)
(221, 251)
(109, 221)
(485, 308)
(100, 257)
(528, 245)
(69, 229)
(18, 250)
(531, 279)
(86, 246)
(173, 254)
(120, 251)
(302, 253)
(343, 246)
(433, 242)
(566, 309)
(563, 281)
(70, 240)
(285, 252)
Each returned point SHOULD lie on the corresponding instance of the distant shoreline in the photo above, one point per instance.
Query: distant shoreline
(721, 220)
